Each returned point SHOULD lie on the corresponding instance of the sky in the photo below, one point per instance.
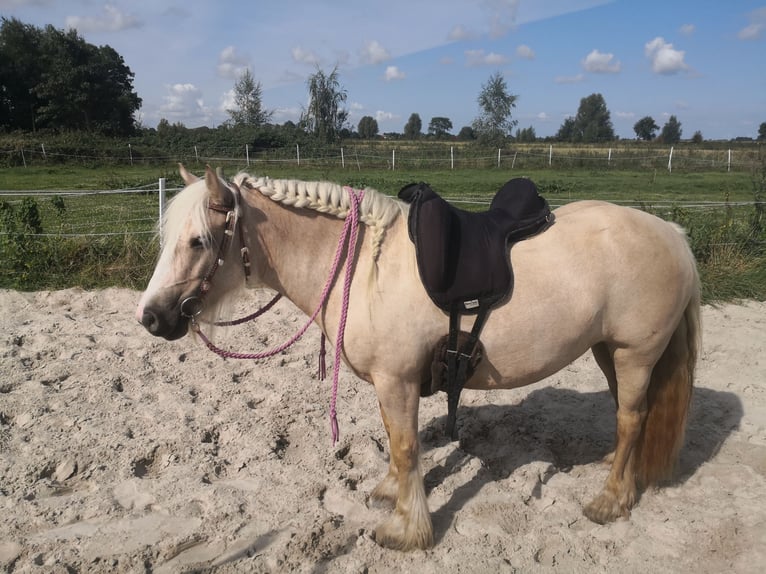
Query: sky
(700, 60)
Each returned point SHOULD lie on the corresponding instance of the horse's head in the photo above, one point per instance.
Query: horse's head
(190, 277)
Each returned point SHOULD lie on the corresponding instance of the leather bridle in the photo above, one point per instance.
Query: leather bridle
(192, 306)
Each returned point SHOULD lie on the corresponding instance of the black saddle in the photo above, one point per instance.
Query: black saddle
(464, 263)
(463, 256)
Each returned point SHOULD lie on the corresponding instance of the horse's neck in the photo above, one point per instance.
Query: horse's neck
(295, 251)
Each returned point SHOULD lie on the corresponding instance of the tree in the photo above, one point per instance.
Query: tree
(697, 137)
(248, 107)
(646, 128)
(494, 123)
(566, 132)
(413, 127)
(53, 79)
(592, 123)
(671, 131)
(439, 127)
(368, 127)
(762, 132)
(466, 134)
(526, 135)
(324, 116)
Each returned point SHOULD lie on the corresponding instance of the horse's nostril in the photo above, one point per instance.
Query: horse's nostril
(150, 321)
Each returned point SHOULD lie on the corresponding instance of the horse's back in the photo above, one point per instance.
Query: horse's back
(600, 273)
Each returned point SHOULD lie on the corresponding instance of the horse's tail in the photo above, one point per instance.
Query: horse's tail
(668, 399)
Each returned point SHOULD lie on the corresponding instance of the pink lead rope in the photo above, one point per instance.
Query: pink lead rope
(350, 233)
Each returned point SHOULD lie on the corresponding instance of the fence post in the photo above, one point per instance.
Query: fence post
(42, 145)
(393, 159)
(247, 154)
(609, 159)
(162, 205)
(23, 159)
(130, 151)
(550, 155)
(298, 153)
(513, 163)
(452, 157)
(196, 153)
(342, 159)
(728, 164)
(670, 160)
(498, 157)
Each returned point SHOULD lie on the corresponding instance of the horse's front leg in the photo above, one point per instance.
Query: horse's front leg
(409, 526)
(385, 494)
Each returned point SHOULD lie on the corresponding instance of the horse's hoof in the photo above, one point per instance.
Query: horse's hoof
(394, 534)
(606, 508)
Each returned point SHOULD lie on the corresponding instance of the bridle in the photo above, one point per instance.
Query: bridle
(192, 306)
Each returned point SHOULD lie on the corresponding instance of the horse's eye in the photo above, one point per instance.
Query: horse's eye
(197, 243)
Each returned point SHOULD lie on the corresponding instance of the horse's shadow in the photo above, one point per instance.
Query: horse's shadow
(563, 428)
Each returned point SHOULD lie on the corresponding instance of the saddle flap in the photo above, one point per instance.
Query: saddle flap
(430, 228)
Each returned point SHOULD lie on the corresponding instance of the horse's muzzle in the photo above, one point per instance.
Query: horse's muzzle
(159, 326)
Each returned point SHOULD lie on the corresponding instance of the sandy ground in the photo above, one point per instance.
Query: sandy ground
(123, 453)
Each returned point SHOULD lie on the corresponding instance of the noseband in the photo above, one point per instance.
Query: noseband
(192, 306)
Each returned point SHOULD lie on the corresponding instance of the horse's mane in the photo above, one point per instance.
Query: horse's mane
(377, 210)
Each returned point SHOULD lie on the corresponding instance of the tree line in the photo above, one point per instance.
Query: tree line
(52, 79)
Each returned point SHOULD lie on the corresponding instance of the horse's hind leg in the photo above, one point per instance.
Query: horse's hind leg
(386, 492)
(409, 526)
(619, 492)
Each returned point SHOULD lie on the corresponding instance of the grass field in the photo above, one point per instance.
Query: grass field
(107, 239)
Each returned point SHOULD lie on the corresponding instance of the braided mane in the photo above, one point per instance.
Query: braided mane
(377, 211)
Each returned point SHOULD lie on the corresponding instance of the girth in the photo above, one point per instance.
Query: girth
(464, 263)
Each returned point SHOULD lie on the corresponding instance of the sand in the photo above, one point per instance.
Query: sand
(120, 452)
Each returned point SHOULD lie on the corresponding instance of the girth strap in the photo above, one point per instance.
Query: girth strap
(458, 361)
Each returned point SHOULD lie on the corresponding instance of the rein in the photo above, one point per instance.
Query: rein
(192, 306)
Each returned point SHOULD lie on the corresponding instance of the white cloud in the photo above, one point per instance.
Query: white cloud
(502, 16)
(460, 32)
(525, 52)
(757, 25)
(381, 116)
(664, 57)
(475, 58)
(184, 102)
(304, 56)
(600, 63)
(569, 79)
(394, 73)
(687, 29)
(112, 19)
(446, 61)
(625, 115)
(375, 53)
(282, 115)
(230, 64)
(543, 117)
(356, 107)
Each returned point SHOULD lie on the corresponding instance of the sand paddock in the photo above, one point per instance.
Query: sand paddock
(123, 453)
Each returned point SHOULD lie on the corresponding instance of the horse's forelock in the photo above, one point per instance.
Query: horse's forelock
(190, 205)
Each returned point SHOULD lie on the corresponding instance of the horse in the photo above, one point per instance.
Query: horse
(614, 280)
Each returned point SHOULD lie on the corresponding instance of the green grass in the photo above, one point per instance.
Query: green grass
(729, 240)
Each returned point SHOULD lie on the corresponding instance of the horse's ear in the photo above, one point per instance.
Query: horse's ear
(218, 191)
(189, 178)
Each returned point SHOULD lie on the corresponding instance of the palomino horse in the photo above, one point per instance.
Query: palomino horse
(612, 279)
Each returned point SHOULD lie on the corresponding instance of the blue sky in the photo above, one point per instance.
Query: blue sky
(700, 60)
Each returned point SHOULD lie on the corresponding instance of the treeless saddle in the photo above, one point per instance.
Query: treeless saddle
(464, 263)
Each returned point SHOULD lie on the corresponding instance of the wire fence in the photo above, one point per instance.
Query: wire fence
(137, 211)
(414, 155)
